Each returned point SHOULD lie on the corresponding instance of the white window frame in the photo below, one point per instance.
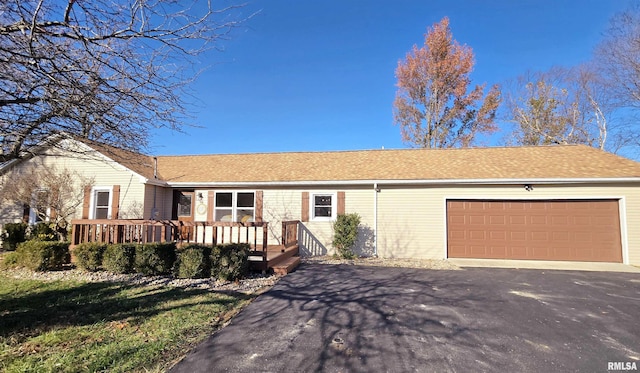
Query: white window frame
(312, 206)
(92, 202)
(33, 213)
(234, 205)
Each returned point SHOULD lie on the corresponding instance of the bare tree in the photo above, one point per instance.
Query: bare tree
(432, 105)
(106, 70)
(618, 57)
(53, 195)
(560, 106)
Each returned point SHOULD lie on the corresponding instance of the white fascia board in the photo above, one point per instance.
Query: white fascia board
(404, 182)
(156, 182)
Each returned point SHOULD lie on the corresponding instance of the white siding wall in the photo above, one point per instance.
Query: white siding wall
(362, 201)
(159, 197)
(103, 174)
(315, 236)
(412, 221)
(278, 206)
(9, 212)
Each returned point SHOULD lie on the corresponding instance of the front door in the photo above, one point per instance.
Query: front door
(183, 202)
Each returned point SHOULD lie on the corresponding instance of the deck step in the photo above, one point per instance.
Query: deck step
(286, 266)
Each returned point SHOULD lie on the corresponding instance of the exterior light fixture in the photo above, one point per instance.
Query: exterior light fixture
(528, 187)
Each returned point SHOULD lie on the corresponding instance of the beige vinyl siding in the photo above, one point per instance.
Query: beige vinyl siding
(9, 212)
(163, 199)
(278, 206)
(411, 221)
(315, 236)
(101, 172)
(362, 201)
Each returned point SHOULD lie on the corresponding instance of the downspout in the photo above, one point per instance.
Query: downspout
(375, 219)
(154, 210)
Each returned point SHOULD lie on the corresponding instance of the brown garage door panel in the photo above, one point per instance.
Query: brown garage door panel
(577, 230)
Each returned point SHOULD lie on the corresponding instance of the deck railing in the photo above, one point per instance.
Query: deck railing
(290, 233)
(145, 231)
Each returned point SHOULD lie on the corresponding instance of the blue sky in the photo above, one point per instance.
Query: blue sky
(319, 75)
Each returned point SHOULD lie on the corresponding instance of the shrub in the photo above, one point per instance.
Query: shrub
(89, 255)
(43, 255)
(230, 262)
(119, 258)
(43, 232)
(10, 260)
(13, 234)
(155, 258)
(345, 234)
(194, 261)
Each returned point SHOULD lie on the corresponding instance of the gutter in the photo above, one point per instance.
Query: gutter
(403, 182)
(154, 182)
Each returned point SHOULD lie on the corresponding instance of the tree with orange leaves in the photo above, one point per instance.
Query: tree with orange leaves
(432, 106)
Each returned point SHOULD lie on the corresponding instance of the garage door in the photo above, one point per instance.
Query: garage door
(585, 230)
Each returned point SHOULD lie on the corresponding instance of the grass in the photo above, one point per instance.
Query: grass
(68, 326)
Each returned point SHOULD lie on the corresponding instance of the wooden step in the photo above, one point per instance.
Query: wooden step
(286, 266)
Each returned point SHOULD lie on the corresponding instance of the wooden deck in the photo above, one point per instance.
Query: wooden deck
(277, 258)
(263, 257)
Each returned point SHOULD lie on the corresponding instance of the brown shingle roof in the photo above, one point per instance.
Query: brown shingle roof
(542, 162)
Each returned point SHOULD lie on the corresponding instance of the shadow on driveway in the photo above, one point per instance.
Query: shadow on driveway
(341, 318)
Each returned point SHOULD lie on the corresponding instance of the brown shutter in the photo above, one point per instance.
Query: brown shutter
(259, 206)
(86, 202)
(340, 203)
(115, 202)
(210, 205)
(305, 206)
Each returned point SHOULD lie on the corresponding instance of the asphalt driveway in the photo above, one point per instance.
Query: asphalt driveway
(341, 318)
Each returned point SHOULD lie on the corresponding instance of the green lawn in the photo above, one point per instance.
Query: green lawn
(67, 326)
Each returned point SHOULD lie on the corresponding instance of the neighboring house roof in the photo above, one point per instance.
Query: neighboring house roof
(516, 163)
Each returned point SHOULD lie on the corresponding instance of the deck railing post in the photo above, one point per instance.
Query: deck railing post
(265, 240)
(75, 228)
(265, 236)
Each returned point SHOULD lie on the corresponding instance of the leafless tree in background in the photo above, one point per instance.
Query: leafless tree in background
(561, 106)
(618, 57)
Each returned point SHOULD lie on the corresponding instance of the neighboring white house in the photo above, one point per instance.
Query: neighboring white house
(569, 202)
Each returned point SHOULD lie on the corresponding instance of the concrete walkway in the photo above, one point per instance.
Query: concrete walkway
(345, 318)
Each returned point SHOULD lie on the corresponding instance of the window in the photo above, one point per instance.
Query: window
(101, 209)
(234, 206)
(101, 203)
(184, 204)
(323, 207)
(40, 209)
